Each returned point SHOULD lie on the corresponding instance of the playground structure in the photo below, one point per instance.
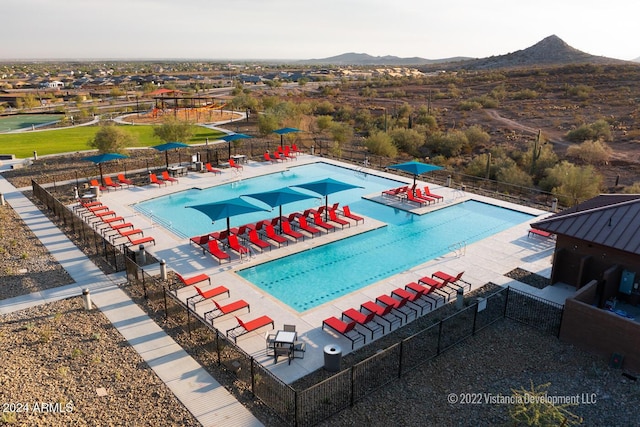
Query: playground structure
(194, 109)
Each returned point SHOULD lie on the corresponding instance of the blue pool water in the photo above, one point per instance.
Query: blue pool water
(314, 277)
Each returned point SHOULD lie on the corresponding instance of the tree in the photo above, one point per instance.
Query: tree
(111, 139)
(591, 152)
(572, 184)
(407, 140)
(512, 174)
(381, 144)
(598, 130)
(173, 129)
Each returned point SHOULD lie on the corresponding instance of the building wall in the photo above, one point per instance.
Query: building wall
(600, 331)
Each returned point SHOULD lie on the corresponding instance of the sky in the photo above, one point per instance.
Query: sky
(304, 29)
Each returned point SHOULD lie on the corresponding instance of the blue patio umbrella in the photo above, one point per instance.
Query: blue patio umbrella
(234, 137)
(167, 146)
(99, 159)
(227, 209)
(285, 131)
(415, 168)
(280, 197)
(325, 187)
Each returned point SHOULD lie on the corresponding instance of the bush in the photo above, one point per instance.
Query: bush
(598, 130)
(525, 94)
(448, 144)
(592, 152)
(381, 144)
(469, 106)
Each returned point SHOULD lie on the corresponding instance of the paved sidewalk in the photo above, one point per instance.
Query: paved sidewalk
(201, 394)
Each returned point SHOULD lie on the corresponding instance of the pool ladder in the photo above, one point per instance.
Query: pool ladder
(459, 248)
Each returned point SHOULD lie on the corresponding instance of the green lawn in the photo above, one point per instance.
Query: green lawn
(22, 145)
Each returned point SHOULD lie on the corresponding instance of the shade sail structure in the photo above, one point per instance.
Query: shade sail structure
(415, 168)
(227, 209)
(327, 186)
(285, 131)
(234, 137)
(99, 159)
(167, 146)
(280, 196)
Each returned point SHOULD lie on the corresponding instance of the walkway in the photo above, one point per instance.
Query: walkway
(200, 393)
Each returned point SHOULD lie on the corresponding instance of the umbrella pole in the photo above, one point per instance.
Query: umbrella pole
(229, 149)
(228, 227)
(166, 156)
(281, 142)
(101, 177)
(326, 207)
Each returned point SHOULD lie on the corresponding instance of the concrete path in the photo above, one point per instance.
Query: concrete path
(201, 394)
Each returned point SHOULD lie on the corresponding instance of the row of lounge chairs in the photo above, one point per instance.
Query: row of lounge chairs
(397, 308)
(153, 179)
(110, 183)
(263, 235)
(220, 309)
(112, 226)
(414, 195)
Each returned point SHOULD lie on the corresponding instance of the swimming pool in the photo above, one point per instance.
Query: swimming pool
(311, 278)
(171, 213)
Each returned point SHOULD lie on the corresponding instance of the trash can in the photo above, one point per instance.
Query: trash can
(95, 190)
(332, 357)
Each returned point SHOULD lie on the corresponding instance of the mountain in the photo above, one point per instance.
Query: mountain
(549, 51)
(365, 59)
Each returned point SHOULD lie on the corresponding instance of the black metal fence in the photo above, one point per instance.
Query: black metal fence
(320, 401)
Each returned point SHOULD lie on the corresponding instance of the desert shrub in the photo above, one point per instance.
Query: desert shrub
(381, 144)
(579, 91)
(572, 184)
(448, 144)
(324, 108)
(407, 140)
(486, 101)
(512, 174)
(525, 94)
(476, 136)
(591, 152)
(632, 189)
(598, 130)
(469, 105)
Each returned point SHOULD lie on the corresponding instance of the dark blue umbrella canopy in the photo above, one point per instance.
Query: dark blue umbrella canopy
(415, 168)
(169, 146)
(280, 197)
(234, 137)
(227, 209)
(285, 131)
(99, 159)
(325, 187)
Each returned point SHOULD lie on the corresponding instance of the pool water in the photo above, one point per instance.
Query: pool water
(311, 278)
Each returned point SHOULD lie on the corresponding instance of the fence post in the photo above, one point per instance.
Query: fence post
(164, 294)
(218, 348)
(253, 382)
(506, 302)
(475, 315)
(560, 324)
(439, 336)
(189, 321)
(400, 359)
(353, 394)
(144, 284)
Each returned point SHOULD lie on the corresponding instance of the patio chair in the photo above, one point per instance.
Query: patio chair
(541, 233)
(126, 233)
(269, 342)
(422, 196)
(109, 183)
(333, 217)
(250, 326)
(411, 197)
(257, 241)
(235, 245)
(295, 149)
(364, 320)
(317, 220)
(414, 299)
(287, 230)
(214, 250)
(95, 183)
(304, 225)
(428, 292)
(142, 241)
(211, 169)
(234, 165)
(166, 177)
(440, 288)
(271, 234)
(268, 158)
(399, 306)
(451, 279)
(428, 192)
(299, 348)
(287, 153)
(124, 181)
(188, 281)
(346, 212)
(155, 180)
(208, 294)
(221, 310)
(382, 312)
(347, 330)
(200, 241)
(290, 328)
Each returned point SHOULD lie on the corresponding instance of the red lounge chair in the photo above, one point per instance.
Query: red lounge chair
(540, 233)
(118, 227)
(348, 330)
(188, 281)
(346, 212)
(286, 229)
(95, 183)
(304, 225)
(383, 312)
(212, 170)
(399, 306)
(287, 153)
(257, 241)
(428, 192)
(112, 220)
(154, 180)
(215, 250)
(333, 217)
(200, 241)
(109, 183)
(427, 292)
(166, 177)
(123, 180)
(127, 233)
(203, 296)
(422, 196)
(395, 192)
(233, 164)
(295, 149)
(232, 240)
(442, 287)
(268, 158)
(413, 298)
(250, 326)
(451, 279)
(364, 320)
(317, 220)
(221, 310)
(415, 199)
(271, 234)
(141, 241)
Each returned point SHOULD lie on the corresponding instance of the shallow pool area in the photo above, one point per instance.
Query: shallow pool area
(310, 278)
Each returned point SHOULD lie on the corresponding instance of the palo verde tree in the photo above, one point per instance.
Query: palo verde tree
(111, 139)
(572, 184)
(173, 129)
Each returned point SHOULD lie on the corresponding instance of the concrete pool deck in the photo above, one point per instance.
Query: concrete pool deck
(484, 261)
